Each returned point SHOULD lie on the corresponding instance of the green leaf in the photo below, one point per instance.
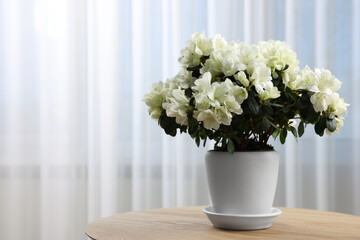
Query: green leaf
(194, 68)
(195, 73)
(230, 146)
(183, 129)
(267, 110)
(197, 140)
(290, 114)
(193, 125)
(253, 105)
(318, 130)
(213, 135)
(168, 124)
(275, 134)
(192, 102)
(188, 92)
(283, 135)
(163, 120)
(223, 143)
(171, 132)
(331, 116)
(202, 133)
(288, 90)
(320, 126)
(301, 104)
(331, 124)
(272, 124)
(315, 118)
(239, 83)
(301, 128)
(289, 97)
(204, 142)
(265, 124)
(309, 115)
(276, 81)
(293, 130)
(192, 130)
(191, 120)
(251, 93)
(237, 122)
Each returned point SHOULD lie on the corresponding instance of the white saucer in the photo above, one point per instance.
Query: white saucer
(241, 221)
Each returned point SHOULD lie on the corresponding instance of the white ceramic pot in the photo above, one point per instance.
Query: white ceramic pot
(242, 182)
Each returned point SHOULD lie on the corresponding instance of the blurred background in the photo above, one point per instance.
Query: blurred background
(76, 142)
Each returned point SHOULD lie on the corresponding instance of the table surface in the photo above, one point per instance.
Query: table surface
(192, 223)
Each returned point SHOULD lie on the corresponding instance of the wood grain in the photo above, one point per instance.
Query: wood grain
(192, 223)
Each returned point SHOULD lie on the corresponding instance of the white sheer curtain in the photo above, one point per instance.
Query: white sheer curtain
(76, 143)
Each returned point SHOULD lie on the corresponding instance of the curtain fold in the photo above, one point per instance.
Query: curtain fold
(76, 142)
(355, 77)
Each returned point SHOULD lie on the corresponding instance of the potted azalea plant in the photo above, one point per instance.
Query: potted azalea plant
(240, 95)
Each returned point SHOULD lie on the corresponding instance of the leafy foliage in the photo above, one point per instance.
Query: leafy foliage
(238, 95)
(251, 130)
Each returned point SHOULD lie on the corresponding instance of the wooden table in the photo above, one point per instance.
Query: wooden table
(192, 223)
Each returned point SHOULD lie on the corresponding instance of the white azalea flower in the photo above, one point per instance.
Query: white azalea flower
(202, 101)
(276, 55)
(231, 64)
(177, 106)
(327, 81)
(218, 42)
(241, 76)
(321, 100)
(184, 78)
(188, 58)
(238, 45)
(217, 100)
(289, 76)
(339, 125)
(220, 91)
(170, 84)
(322, 83)
(231, 59)
(155, 99)
(227, 94)
(269, 93)
(232, 105)
(261, 78)
(307, 80)
(239, 93)
(197, 47)
(245, 55)
(208, 118)
(248, 54)
(214, 63)
(201, 88)
(338, 106)
(203, 84)
(223, 115)
(201, 45)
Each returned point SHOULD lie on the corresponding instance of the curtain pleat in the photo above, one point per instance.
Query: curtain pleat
(77, 144)
(355, 98)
